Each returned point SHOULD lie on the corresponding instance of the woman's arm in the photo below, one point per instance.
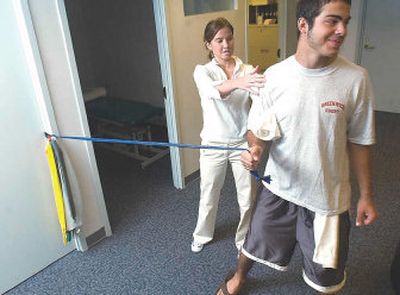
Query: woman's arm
(220, 89)
(251, 82)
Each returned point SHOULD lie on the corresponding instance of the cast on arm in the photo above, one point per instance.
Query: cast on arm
(361, 161)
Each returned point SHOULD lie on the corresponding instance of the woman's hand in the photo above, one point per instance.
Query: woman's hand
(252, 82)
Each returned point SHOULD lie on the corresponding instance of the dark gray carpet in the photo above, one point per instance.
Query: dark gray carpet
(149, 252)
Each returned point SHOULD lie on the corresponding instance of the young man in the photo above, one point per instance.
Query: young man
(317, 108)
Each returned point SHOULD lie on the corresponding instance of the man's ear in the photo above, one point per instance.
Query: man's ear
(302, 25)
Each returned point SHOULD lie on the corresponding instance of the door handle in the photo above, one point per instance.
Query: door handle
(368, 46)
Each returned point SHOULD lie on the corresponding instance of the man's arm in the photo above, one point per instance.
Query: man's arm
(361, 161)
(251, 158)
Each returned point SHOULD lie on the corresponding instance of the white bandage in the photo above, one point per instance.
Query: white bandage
(326, 236)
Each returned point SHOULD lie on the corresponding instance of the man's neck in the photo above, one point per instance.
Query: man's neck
(311, 60)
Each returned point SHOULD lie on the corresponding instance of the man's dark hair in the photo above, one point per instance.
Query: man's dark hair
(310, 9)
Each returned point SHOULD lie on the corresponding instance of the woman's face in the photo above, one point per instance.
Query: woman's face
(222, 45)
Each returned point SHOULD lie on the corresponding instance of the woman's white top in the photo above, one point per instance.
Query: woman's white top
(224, 119)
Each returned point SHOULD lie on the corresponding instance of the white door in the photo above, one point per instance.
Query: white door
(380, 52)
(30, 233)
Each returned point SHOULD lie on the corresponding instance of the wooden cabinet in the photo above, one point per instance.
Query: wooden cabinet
(263, 44)
(258, 2)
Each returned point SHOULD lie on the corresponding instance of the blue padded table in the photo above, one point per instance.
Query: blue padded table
(123, 111)
(126, 119)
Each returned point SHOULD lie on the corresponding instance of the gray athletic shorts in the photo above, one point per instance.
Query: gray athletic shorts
(278, 225)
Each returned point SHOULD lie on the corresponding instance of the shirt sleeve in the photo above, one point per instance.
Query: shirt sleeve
(361, 129)
(262, 121)
(205, 84)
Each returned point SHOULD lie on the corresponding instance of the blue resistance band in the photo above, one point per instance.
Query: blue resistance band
(267, 178)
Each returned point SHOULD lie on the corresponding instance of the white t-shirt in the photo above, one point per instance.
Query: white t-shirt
(224, 120)
(317, 111)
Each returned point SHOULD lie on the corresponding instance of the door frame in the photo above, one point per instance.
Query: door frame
(360, 29)
(57, 59)
(169, 101)
(282, 17)
(42, 93)
(162, 40)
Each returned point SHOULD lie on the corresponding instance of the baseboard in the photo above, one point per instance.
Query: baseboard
(195, 175)
(96, 237)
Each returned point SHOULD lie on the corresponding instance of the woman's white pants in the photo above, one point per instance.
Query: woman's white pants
(213, 166)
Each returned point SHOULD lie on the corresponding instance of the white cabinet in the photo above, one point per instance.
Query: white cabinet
(263, 44)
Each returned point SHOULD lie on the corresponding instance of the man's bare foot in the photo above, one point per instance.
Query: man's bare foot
(233, 286)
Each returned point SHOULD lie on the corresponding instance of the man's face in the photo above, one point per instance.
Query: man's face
(330, 28)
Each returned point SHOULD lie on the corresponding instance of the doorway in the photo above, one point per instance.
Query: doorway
(115, 48)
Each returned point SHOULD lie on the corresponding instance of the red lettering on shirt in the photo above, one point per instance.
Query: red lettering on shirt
(332, 106)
